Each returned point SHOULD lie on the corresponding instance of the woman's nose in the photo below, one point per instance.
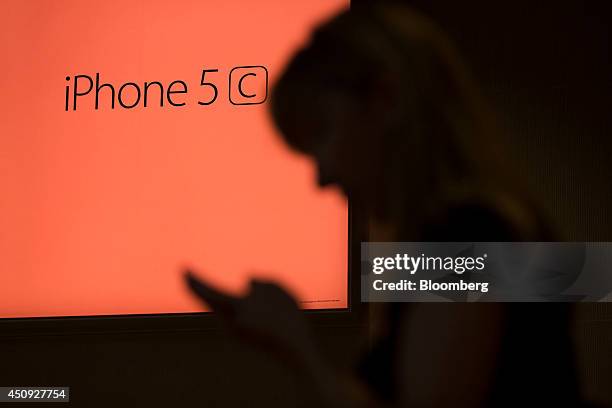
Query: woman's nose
(323, 177)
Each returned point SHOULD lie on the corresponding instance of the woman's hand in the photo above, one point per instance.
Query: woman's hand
(267, 316)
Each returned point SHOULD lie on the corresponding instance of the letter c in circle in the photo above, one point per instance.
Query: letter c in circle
(240, 85)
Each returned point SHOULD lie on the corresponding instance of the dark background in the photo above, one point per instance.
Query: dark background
(545, 66)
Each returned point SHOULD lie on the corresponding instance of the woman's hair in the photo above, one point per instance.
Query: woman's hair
(437, 110)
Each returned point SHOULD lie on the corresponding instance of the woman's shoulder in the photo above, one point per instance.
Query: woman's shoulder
(488, 217)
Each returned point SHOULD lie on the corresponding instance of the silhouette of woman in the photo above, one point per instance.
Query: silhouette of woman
(381, 101)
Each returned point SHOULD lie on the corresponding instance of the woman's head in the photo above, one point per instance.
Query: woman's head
(382, 103)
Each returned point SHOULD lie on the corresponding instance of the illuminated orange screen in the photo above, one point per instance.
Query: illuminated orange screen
(101, 208)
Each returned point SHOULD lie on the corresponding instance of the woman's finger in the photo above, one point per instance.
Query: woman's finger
(219, 302)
